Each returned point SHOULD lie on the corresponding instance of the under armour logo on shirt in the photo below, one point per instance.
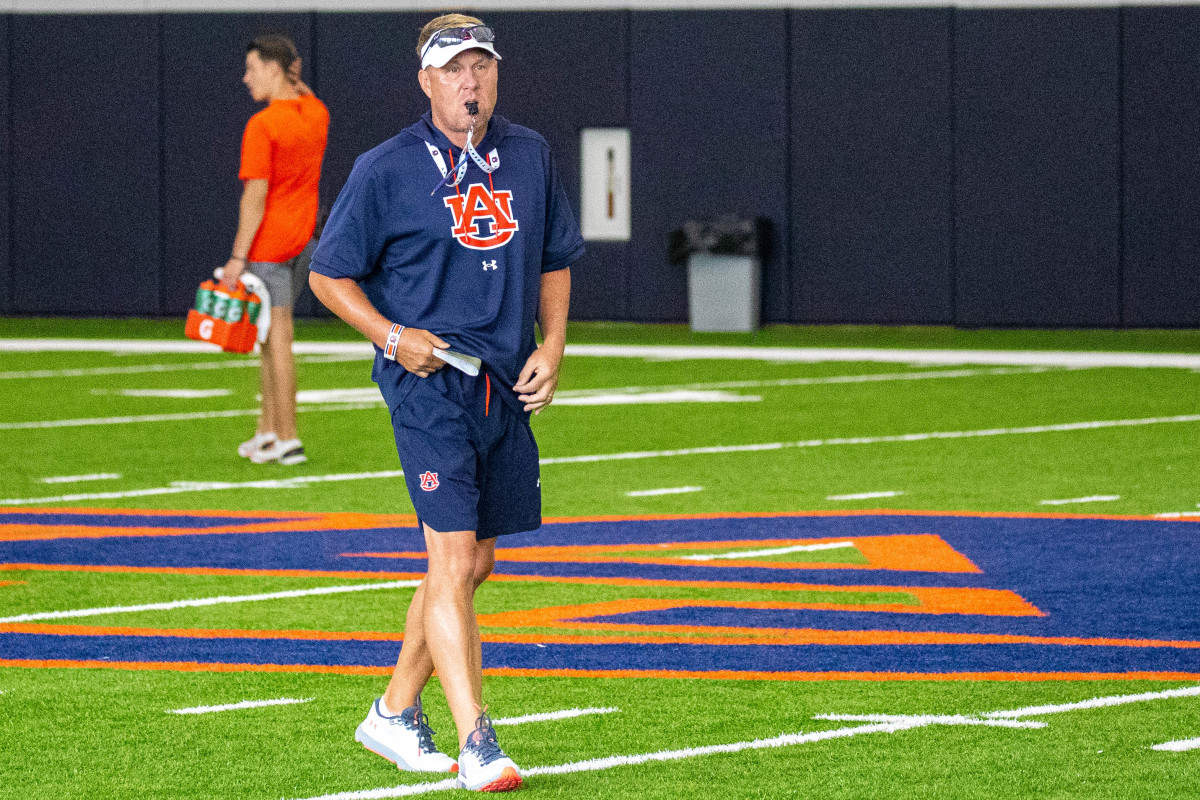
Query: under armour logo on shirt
(490, 265)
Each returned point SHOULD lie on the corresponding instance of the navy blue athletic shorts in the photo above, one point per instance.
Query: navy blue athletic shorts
(469, 459)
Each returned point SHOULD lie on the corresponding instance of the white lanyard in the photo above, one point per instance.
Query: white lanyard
(455, 178)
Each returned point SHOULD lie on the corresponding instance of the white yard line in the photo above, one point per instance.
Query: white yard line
(637, 455)
(832, 380)
(282, 701)
(770, 551)
(906, 437)
(139, 369)
(658, 492)
(863, 495)
(180, 487)
(208, 601)
(167, 394)
(1095, 702)
(600, 764)
(890, 724)
(932, 719)
(99, 476)
(1178, 746)
(1096, 498)
(550, 716)
(1051, 358)
(187, 416)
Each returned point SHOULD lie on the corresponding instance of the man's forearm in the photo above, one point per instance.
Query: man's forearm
(345, 298)
(554, 306)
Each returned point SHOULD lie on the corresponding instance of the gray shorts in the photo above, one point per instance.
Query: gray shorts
(285, 280)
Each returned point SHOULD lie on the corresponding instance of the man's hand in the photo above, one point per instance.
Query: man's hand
(415, 351)
(234, 268)
(539, 377)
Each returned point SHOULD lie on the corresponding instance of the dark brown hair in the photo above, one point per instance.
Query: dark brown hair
(278, 48)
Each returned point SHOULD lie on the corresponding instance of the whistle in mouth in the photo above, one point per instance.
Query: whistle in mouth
(472, 107)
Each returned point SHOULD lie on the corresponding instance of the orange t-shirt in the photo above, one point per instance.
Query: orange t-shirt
(285, 143)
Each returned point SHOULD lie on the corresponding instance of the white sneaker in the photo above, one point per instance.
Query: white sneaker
(285, 452)
(482, 765)
(406, 739)
(256, 442)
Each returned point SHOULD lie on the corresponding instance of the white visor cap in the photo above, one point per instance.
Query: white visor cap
(440, 56)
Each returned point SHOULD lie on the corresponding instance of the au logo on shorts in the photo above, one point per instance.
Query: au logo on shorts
(429, 481)
(478, 204)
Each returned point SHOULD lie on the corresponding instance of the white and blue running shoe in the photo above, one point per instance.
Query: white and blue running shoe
(405, 739)
(482, 765)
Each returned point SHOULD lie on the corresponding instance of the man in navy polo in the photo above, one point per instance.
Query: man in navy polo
(448, 284)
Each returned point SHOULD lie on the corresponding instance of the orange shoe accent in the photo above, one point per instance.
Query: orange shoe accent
(454, 769)
(509, 781)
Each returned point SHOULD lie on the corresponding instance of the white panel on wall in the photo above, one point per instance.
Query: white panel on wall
(604, 207)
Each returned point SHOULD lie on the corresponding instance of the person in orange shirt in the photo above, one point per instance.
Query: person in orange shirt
(282, 150)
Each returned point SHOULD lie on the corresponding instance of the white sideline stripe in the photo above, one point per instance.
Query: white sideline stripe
(99, 476)
(657, 492)
(900, 723)
(209, 601)
(282, 701)
(771, 551)
(1096, 498)
(863, 495)
(1031, 358)
(1177, 514)
(554, 715)
(1178, 746)
(643, 454)
(932, 719)
(1039, 358)
(1095, 702)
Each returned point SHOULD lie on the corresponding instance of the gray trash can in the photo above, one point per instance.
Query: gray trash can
(724, 292)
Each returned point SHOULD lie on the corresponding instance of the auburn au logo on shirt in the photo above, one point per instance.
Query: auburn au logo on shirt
(482, 220)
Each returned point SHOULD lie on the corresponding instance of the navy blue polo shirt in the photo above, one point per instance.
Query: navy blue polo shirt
(465, 262)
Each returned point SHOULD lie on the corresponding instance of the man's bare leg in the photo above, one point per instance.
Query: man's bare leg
(279, 380)
(414, 667)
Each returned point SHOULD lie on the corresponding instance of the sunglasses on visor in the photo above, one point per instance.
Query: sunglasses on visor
(448, 37)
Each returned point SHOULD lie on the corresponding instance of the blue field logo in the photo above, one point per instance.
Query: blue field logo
(792, 596)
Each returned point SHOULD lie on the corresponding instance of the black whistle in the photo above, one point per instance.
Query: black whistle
(472, 108)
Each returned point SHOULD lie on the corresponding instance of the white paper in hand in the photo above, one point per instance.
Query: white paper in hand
(468, 364)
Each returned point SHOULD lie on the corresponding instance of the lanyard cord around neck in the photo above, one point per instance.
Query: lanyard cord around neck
(453, 176)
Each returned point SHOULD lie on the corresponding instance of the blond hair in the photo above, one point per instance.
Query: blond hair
(440, 24)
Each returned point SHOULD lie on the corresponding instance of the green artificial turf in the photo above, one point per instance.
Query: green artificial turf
(105, 733)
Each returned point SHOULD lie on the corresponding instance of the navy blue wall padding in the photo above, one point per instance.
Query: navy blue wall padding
(5, 171)
(368, 69)
(550, 83)
(367, 75)
(708, 99)
(205, 109)
(1162, 167)
(1037, 149)
(85, 164)
(871, 166)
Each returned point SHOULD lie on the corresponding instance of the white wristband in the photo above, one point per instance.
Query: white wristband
(393, 341)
